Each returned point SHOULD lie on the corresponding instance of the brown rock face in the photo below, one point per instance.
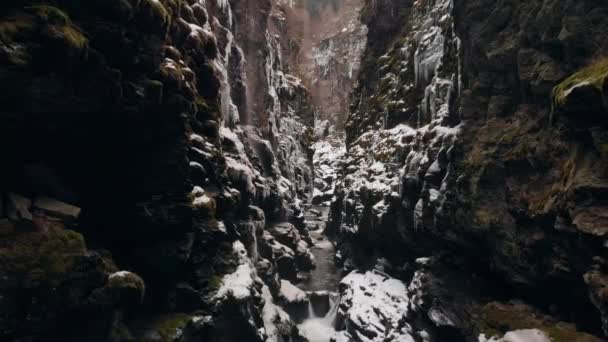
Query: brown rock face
(518, 191)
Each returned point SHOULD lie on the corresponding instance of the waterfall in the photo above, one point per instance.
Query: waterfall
(311, 310)
(320, 329)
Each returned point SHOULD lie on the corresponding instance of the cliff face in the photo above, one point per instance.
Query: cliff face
(478, 150)
(170, 138)
(157, 165)
(331, 63)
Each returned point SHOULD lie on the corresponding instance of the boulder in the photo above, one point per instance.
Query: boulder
(294, 300)
(286, 233)
(373, 306)
(304, 258)
(55, 208)
(127, 286)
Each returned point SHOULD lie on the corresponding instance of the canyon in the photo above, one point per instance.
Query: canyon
(304, 170)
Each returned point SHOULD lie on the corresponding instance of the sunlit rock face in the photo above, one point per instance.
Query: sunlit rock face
(471, 137)
(331, 66)
(322, 42)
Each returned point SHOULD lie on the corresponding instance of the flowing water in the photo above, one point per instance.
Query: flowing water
(325, 277)
(320, 329)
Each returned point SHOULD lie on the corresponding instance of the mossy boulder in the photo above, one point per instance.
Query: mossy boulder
(47, 277)
(129, 285)
(496, 319)
(32, 258)
(583, 94)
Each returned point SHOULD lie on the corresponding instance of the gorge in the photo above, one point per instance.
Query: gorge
(304, 170)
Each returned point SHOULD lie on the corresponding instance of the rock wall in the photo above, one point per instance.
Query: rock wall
(180, 141)
(475, 136)
(331, 64)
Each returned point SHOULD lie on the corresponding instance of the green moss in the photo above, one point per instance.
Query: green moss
(495, 319)
(47, 21)
(594, 75)
(33, 258)
(167, 326)
(215, 282)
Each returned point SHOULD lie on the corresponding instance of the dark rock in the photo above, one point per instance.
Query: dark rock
(294, 300)
(500, 106)
(598, 290)
(320, 301)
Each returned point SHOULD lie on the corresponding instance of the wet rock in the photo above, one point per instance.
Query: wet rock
(320, 302)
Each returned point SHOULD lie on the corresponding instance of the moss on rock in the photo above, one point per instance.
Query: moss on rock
(128, 283)
(495, 319)
(32, 258)
(169, 326)
(45, 23)
(593, 75)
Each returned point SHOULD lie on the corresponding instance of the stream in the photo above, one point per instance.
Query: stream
(325, 277)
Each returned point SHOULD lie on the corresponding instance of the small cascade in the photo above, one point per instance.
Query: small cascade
(323, 280)
(320, 329)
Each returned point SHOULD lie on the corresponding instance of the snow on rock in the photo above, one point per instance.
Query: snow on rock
(373, 308)
(371, 173)
(277, 322)
(291, 293)
(523, 335)
(240, 283)
(328, 153)
(395, 177)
